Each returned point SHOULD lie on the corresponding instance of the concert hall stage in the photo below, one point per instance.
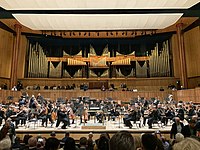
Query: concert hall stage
(77, 131)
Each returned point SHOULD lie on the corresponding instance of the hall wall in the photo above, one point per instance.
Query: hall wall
(6, 49)
(192, 53)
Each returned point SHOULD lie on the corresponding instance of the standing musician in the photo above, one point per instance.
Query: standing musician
(80, 111)
(63, 116)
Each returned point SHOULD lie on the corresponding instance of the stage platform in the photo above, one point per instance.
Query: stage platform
(76, 130)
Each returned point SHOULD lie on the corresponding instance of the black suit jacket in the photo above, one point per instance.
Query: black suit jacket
(186, 131)
(173, 131)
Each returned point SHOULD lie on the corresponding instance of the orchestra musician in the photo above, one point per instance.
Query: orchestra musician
(134, 115)
(85, 112)
(71, 113)
(43, 114)
(33, 107)
(49, 112)
(80, 111)
(2, 114)
(153, 116)
(63, 116)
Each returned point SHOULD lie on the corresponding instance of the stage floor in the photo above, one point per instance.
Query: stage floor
(76, 130)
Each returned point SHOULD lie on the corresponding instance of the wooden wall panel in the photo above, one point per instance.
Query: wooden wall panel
(176, 58)
(184, 95)
(4, 80)
(142, 84)
(193, 82)
(22, 55)
(187, 95)
(6, 48)
(192, 46)
(54, 94)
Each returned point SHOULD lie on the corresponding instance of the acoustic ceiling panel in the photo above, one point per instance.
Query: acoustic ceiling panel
(95, 4)
(97, 21)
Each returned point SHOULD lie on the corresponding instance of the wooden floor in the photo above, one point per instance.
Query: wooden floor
(76, 130)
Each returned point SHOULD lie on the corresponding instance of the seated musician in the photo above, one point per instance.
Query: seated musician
(9, 112)
(153, 116)
(63, 116)
(99, 116)
(43, 114)
(49, 110)
(2, 114)
(161, 111)
(134, 115)
(191, 112)
(113, 113)
(22, 115)
(146, 113)
(71, 113)
(180, 112)
(170, 114)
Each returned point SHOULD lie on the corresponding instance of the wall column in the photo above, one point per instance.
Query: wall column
(183, 69)
(14, 65)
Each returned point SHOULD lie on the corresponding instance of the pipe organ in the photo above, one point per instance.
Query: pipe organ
(86, 63)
